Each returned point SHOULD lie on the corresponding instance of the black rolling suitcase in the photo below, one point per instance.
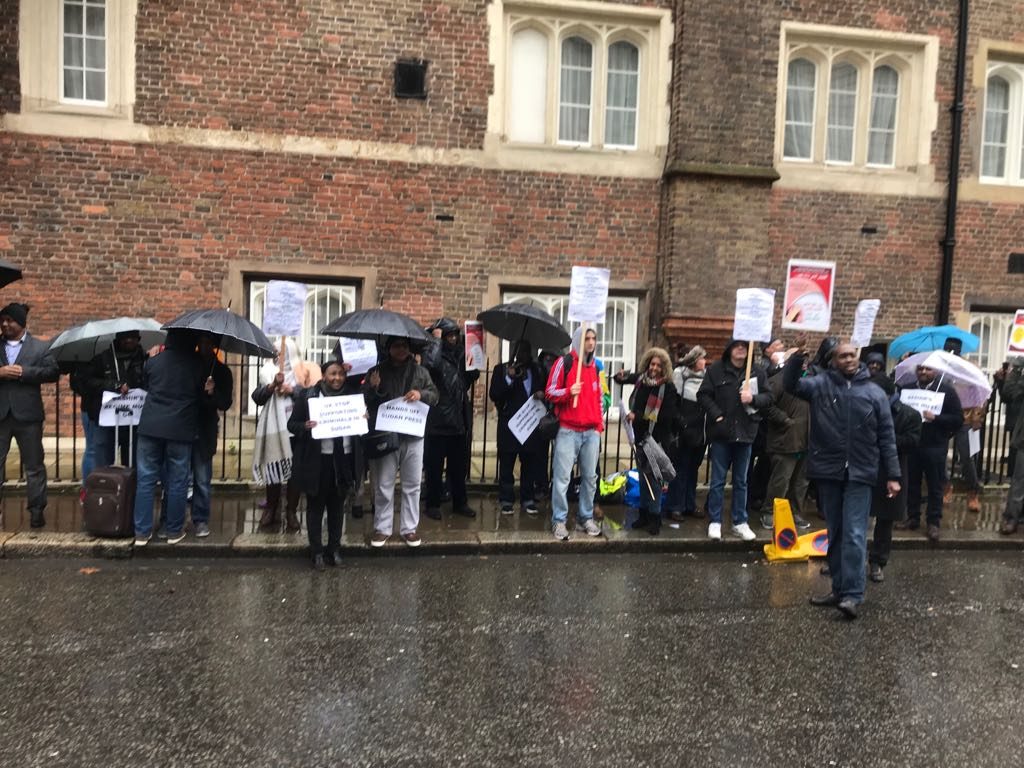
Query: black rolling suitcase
(109, 505)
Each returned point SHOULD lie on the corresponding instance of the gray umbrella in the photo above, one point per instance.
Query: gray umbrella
(376, 324)
(652, 458)
(8, 273)
(235, 333)
(515, 322)
(83, 342)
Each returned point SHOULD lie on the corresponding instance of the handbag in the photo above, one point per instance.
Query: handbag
(548, 426)
(379, 444)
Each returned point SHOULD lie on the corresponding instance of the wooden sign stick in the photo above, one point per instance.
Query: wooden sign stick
(280, 357)
(750, 362)
(579, 361)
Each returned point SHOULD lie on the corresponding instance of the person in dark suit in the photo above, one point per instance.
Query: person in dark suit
(512, 384)
(27, 363)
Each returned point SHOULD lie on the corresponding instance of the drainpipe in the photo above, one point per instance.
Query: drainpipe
(957, 113)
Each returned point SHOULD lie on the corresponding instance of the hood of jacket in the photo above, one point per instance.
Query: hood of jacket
(577, 345)
(726, 357)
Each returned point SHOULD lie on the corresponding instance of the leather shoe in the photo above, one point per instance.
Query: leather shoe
(1008, 528)
(933, 533)
(825, 601)
(848, 608)
(318, 562)
(875, 573)
(434, 513)
(332, 558)
(37, 520)
(465, 510)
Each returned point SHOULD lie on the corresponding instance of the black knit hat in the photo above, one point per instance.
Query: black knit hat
(17, 312)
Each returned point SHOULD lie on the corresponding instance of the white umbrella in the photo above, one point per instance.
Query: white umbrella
(83, 342)
(969, 381)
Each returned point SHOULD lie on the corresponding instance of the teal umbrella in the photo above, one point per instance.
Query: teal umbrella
(932, 337)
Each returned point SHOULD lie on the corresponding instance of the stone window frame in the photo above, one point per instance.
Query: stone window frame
(1013, 172)
(602, 25)
(915, 59)
(40, 61)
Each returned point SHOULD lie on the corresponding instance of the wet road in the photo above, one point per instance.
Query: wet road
(670, 660)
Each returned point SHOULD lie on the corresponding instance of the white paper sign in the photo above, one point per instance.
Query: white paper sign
(974, 439)
(122, 410)
(526, 419)
(361, 354)
(284, 307)
(922, 400)
(402, 417)
(864, 322)
(588, 294)
(338, 416)
(755, 312)
(627, 426)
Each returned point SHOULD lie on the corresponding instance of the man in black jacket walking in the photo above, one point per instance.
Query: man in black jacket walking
(27, 363)
(851, 437)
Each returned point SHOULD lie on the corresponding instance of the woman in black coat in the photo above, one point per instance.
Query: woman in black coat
(512, 384)
(654, 412)
(322, 469)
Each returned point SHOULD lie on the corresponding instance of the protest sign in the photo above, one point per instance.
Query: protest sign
(588, 294)
(864, 322)
(476, 360)
(361, 354)
(1016, 343)
(755, 312)
(284, 307)
(338, 416)
(526, 419)
(405, 418)
(810, 285)
(627, 426)
(122, 410)
(922, 400)
(974, 441)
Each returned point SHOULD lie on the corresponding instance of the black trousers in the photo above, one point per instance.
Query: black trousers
(445, 456)
(330, 499)
(881, 542)
(930, 466)
(530, 467)
(29, 436)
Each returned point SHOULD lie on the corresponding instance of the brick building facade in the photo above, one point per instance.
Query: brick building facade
(223, 144)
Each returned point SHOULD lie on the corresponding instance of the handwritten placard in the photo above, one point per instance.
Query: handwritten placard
(338, 416)
(864, 322)
(284, 307)
(755, 311)
(405, 418)
(526, 419)
(122, 410)
(588, 294)
(922, 400)
(361, 354)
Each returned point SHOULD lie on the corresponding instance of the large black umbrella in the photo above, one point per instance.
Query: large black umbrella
(376, 324)
(8, 273)
(83, 342)
(236, 333)
(515, 322)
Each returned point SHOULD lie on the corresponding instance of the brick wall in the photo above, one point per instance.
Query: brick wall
(10, 88)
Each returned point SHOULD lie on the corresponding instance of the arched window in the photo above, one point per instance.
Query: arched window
(842, 113)
(997, 123)
(799, 140)
(575, 91)
(885, 89)
(622, 97)
(528, 97)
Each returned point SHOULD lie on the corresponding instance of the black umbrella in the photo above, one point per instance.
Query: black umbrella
(8, 273)
(516, 322)
(376, 324)
(236, 333)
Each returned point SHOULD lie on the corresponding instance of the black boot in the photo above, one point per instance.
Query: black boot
(640, 522)
(270, 520)
(36, 518)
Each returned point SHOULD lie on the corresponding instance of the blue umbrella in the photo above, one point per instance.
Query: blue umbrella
(932, 337)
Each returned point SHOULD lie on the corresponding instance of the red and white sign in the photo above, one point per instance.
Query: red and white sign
(1016, 343)
(810, 286)
(476, 360)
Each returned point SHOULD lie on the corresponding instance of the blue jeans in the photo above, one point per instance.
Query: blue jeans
(173, 457)
(724, 455)
(89, 454)
(202, 487)
(682, 491)
(583, 448)
(847, 505)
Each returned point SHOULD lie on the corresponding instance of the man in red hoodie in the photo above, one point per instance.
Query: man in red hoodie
(575, 391)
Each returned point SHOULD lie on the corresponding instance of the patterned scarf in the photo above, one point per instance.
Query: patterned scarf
(654, 400)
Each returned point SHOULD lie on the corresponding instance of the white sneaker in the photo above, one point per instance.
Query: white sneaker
(715, 531)
(589, 527)
(141, 542)
(559, 531)
(743, 531)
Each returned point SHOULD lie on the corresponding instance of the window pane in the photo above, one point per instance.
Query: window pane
(884, 101)
(842, 113)
(623, 86)
(997, 119)
(95, 86)
(72, 51)
(528, 98)
(799, 109)
(73, 84)
(72, 19)
(95, 54)
(575, 88)
(94, 21)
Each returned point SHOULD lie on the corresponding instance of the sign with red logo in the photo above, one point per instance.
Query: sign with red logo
(810, 286)
(1016, 344)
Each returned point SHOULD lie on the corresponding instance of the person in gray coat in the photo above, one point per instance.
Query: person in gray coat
(27, 363)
